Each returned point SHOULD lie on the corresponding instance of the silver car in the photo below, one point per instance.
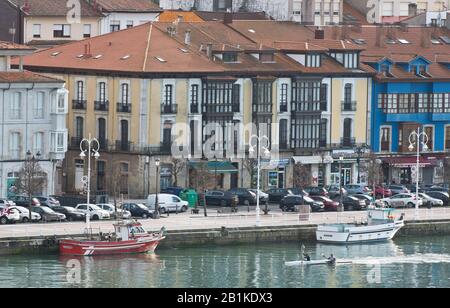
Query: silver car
(430, 201)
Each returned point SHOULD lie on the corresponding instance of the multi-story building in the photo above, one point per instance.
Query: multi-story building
(48, 23)
(32, 120)
(316, 12)
(410, 92)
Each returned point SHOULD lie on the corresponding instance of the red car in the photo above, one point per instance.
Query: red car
(382, 192)
(330, 205)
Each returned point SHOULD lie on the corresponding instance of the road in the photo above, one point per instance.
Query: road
(187, 221)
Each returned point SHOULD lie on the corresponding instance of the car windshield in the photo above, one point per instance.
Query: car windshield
(94, 207)
(141, 206)
(69, 209)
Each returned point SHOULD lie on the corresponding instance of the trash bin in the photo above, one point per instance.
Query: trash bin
(190, 196)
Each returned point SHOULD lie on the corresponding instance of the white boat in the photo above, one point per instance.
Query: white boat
(314, 262)
(382, 225)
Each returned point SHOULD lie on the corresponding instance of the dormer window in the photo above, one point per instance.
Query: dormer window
(313, 60)
(348, 59)
(229, 57)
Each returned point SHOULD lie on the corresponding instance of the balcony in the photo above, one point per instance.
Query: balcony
(125, 108)
(310, 107)
(348, 142)
(75, 142)
(103, 144)
(348, 106)
(101, 105)
(169, 109)
(195, 108)
(123, 146)
(79, 104)
(220, 108)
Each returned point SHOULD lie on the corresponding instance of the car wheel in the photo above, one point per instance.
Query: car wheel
(184, 209)
(163, 210)
(3, 221)
(410, 205)
(25, 220)
(70, 219)
(144, 216)
(386, 204)
(95, 217)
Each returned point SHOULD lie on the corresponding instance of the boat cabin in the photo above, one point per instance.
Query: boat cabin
(129, 230)
(381, 214)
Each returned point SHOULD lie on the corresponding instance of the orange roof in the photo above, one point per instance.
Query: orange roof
(171, 16)
(26, 76)
(13, 46)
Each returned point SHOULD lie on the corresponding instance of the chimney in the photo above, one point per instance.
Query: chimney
(228, 18)
(425, 39)
(209, 52)
(180, 18)
(379, 36)
(187, 37)
(87, 50)
(412, 9)
(319, 34)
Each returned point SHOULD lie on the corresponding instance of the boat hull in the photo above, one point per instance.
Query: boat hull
(95, 248)
(358, 234)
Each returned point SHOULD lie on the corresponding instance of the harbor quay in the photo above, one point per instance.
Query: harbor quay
(185, 229)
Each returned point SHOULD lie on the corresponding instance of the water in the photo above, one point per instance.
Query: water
(413, 262)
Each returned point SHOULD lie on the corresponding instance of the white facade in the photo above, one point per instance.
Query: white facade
(32, 118)
(116, 21)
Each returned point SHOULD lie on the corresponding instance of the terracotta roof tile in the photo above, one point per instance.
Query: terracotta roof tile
(128, 6)
(13, 46)
(171, 16)
(26, 76)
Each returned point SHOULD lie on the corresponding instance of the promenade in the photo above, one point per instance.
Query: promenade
(187, 221)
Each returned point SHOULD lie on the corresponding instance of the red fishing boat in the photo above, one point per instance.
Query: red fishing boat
(128, 238)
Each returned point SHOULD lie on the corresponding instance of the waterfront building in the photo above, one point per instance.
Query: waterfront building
(33, 110)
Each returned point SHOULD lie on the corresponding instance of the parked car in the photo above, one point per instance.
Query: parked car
(94, 211)
(334, 192)
(398, 189)
(277, 194)
(316, 191)
(366, 198)
(316, 206)
(25, 214)
(382, 192)
(70, 213)
(221, 198)
(263, 197)
(9, 215)
(6, 203)
(429, 201)
(412, 188)
(290, 203)
(354, 189)
(115, 212)
(172, 191)
(298, 191)
(245, 196)
(167, 203)
(138, 210)
(330, 205)
(352, 203)
(47, 214)
(438, 188)
(402, 200)
(443, 196)
(48, 201)
(25, 201)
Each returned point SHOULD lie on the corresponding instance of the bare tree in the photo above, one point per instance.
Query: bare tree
(446, 170)
(115, 183)
(31, 180)
(202, 180)
(302, 175)
(374, 169)
(250, 164)
(178, 165)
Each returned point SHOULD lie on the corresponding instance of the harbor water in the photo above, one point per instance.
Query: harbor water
(405, 262)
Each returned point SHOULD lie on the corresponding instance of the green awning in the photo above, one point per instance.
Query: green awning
(219, 167)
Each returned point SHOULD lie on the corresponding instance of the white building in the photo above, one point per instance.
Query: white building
(120, 15)
(317, 12)
(33, 110)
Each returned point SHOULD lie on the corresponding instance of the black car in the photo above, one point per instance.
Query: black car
(138, 210)
(298, 191)
(25, 201)
(291, 202)
(47, 214)
(444, 196)
(333, 191)
(352, 203)
(277, 194)
(438, 188)
(316, 191)
(71, 213)
(221, 198)
(245, 196)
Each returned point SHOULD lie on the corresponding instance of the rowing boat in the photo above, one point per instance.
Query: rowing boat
(314, 262)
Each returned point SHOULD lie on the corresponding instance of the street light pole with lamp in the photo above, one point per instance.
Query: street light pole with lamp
(93, 147)
(251, 151)
(420, 138)
(156, 214)
(359, 150)
(341, 178)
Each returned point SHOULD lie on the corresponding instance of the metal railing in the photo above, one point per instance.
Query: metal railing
(348, 105)
(79, 104)
(125, 108)
(101, 105)
(169, 109)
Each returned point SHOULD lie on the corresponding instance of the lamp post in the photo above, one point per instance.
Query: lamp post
(89, 147)
(156, 214)
(341, 178)
(416, 138)
(359, 150)
(259, 149)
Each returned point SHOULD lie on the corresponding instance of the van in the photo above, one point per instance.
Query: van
(167, 203)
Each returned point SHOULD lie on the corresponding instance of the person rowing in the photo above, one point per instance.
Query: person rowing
(306, 257)
(332, 260)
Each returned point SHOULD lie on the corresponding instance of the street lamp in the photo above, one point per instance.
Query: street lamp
(416, 138)
(360, 150)
(259, 149)
(156, 214)
(341, 178)
(89, 148)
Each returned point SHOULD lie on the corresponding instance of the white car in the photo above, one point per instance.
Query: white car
(167, 203)
(430, 201)
(112, 211)
(401, 200)
(94, 212)
(9, 215)
(25, 214)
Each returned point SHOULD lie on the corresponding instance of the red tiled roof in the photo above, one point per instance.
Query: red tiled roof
(128, 6)
(26, 76)
(13, 46)
(54, 8)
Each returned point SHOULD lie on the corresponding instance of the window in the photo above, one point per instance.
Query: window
(125, 93)
(385, 139)
(388, 9)
(306, 96)
(102, 133)
(262, 97)
(102, 92)
(101, 175)
(385, 69)
(284, 98)
(305, 132)
(61, 31)
(347, 139)
(221, 97)
(16, 106)
(80, 90)
(168, 94)
(283, 134)
(114, 26)
(39, 106)
(228, 57)
(194, 98)
(348, 93)
(130, 24)
(323, 132)
(124, 135)
(38, 142)
(313, 60)
(61, 107)
(57, 142)
(167, 133)
(87, 31)
(447, 138)
(404, 8)
(318, 8)
(14, 145)
(79, 127)
(37, 31)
